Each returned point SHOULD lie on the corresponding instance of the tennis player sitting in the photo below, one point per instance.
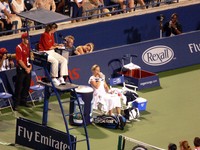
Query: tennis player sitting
(102, 95)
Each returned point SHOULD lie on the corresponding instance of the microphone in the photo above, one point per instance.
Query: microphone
(61, 36)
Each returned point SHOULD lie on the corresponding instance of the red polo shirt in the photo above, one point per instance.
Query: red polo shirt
(46, 41)
(22, 53)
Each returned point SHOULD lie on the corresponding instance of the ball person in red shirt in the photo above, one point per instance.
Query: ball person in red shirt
(23, 70)
(47, 44)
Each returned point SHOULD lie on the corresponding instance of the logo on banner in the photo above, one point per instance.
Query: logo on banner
(194, 47)
(158, 55)
(38, 136)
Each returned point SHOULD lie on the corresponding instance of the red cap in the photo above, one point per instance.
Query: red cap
(24, 36)
(3, 51)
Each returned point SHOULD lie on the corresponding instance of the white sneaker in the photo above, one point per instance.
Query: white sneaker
(56, 82)
(62, 81)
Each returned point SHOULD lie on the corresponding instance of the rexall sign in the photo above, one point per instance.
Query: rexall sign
(157, 55)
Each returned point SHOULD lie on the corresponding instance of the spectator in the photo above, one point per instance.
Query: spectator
(61, 5)
(3, 8)
(87, 48)
(47, 44)
(87, 5)
(4, 18)
(172, 146)
(124, 3)
(101, 94)
(8, 15)
(197, 143)
(29, 4)
(142, 4)
(23, 69)
(76, 9)
(6, 60)
(45, 4)
(1, 25)
(184, 145)
(121, 3)
(172, 27)
(130, 4)
(100, 3)
(18, 6)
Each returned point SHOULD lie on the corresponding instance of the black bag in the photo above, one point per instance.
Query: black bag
(131, 113)
(111, 122)
(131, 96)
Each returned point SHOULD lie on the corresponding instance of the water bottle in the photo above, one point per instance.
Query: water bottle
(102, 76)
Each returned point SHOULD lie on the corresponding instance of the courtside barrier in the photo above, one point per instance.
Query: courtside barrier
(154, 56)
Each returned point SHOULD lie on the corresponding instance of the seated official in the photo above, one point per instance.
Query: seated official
(47, 44)
(6, 60)
(69, 47)
(84, 49)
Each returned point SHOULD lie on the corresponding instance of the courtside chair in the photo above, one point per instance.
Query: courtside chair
(120, 81)
(5, 96)
(117, 81)
(35, 88)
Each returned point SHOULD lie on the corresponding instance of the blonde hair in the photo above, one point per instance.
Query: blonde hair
(69, 37)
(91, 46)
(94, 67)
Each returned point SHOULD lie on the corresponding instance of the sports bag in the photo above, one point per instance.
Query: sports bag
(131, 113)
(130, 96)
(111, 122)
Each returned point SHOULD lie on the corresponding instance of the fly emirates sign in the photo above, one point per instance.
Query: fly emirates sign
(41, 137)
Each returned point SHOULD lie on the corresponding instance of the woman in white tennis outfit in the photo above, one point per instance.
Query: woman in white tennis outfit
(102, 94)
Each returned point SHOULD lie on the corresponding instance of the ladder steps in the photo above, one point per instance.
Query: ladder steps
(68, 101)
(66, 115)
(58, 91)
(80, 126)
(79, 141)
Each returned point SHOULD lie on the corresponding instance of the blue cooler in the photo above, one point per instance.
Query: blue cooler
(140, 103)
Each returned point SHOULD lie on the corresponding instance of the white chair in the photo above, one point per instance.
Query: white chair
(127, 103)
(5, 97)
(121, 81)
(35, 88)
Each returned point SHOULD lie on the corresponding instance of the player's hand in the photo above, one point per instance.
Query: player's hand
(28, 70)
